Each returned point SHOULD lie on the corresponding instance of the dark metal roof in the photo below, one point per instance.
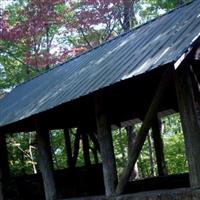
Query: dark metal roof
(140, 50)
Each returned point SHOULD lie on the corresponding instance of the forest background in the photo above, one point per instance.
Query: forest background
(37, 35)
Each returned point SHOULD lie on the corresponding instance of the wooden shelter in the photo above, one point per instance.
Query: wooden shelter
(138, 74)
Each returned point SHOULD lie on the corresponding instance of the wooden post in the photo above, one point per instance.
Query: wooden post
(4, 164)
(76, 146)
(141, 136)
(96, 147)
(45, 163)
(94, 140)
(1, 187)
(191, 129)
(68, 148)
(86, 152)
(106, 146)
(159, 147)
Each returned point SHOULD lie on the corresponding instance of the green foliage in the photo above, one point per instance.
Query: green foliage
(58, 149)
(174, 145)
(22, 153)
(174, 149)
(21, 161)
(120, 148)
(149, 9)
(175, 154)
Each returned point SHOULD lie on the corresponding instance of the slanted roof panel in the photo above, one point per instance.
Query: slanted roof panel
(140, 50)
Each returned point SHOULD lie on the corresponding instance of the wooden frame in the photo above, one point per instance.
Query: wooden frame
(141, 136)
(191, 129)
(45, 162)
(106, 145)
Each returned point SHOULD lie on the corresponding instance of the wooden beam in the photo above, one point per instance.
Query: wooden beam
(96, 147)
(1, 187)
(159, 147)
(191, 129)
(106, 146)
(45, 163)
(76, 146)
(141, 136)
(68, 148)
(4, 163)
(94, 140)
(95, 154)
(86, 149)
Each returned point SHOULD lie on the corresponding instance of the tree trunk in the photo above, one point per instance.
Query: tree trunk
(129, 19)
(126, 22)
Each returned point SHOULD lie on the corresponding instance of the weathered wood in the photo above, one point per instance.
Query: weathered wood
(68, 148)
(86, 152)
(141, 136)
(106, 146)
(131, 136)
(191, 129)
(45, 163)
(94, 140)
(4, 164)
(159, 147)
(1, 186)
(149, 140)
(95, 153)
(76, 146)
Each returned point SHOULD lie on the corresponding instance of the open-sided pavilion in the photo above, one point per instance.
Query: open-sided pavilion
(143, 72)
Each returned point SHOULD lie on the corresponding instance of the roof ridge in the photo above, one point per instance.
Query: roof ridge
(106, 42)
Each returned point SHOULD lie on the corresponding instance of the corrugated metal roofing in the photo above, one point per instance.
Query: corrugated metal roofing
(142, 49)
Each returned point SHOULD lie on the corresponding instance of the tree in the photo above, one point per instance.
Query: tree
(37, 35)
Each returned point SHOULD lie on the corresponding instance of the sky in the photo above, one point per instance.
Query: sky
(4, 3)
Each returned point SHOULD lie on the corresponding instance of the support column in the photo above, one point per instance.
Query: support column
(1, 186)
(96, 147)
(68, 148)
(86, 149)
(45, 163)
(159, 147)
(106, 146)
(191, 129)
(76, 146)
(4, 165)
